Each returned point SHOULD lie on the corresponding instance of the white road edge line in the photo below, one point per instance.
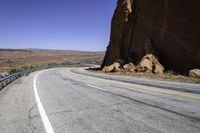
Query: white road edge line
(96, 87)
(43, 115)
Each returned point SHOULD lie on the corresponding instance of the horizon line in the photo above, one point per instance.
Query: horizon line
(51, 49)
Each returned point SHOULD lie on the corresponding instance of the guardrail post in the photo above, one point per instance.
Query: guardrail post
(1, 85)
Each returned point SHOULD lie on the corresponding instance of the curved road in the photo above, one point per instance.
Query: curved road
(61, 101)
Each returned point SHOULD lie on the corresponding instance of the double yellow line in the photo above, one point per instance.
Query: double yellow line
(145, 88)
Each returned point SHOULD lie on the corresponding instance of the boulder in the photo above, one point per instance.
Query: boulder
(195, 73)
(129, 67)
(157, 67)
(115, 67)
(149, 63)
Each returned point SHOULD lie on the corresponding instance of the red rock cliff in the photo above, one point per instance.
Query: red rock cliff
(170, 29)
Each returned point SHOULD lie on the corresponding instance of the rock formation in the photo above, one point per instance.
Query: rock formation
(129, 67)
(195, 73)
(168, 29)
(149, 63)
(115, 67)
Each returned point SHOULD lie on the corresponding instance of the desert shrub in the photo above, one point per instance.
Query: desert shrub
(25, 68)
(16, 70)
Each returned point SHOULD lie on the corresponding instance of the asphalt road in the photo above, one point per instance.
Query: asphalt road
(61, 101)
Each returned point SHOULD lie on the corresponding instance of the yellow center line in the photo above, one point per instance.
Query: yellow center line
(142, 87)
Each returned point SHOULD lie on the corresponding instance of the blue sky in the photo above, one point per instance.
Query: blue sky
(56, 24)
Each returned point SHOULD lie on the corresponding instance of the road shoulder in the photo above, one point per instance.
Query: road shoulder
(178, 86)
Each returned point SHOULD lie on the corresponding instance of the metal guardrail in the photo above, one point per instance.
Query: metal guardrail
(10, 78)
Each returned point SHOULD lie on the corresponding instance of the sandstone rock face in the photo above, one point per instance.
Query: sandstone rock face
(149, 63)
(169, 29)
(195, 73)
(115, 67)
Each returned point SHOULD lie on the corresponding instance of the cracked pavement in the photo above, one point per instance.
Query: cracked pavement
(18, 111)
(74, 107)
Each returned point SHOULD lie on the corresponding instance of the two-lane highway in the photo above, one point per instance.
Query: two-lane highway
(61, 101)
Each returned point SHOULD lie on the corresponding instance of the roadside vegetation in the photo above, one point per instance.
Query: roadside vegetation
(25, 68)
(50, 65)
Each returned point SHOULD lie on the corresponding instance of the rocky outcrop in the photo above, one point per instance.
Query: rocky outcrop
(129, 67)
(115, 67)
(169, 29)
(195, 73)
(149, 63)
